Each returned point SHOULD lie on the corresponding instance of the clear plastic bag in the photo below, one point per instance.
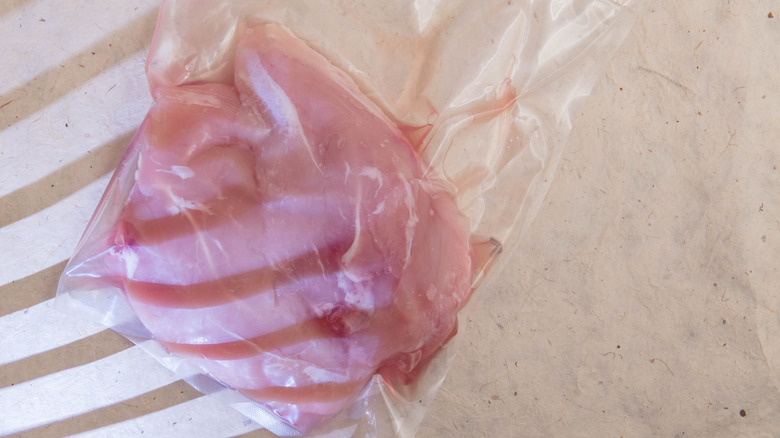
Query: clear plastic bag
(319, 188)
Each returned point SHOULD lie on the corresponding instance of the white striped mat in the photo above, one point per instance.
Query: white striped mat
(72, 91)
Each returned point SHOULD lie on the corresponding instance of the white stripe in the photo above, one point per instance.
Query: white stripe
(67, 30)
(49, 236)
(38, 329)
(81, 389)
(188, 419)
(108, 106)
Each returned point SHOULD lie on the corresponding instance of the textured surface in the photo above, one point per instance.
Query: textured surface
(644, 299)
(642, 302)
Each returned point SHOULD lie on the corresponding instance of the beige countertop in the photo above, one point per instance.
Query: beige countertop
(643, 301)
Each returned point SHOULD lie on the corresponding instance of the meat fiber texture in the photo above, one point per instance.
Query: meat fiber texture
(279, 232)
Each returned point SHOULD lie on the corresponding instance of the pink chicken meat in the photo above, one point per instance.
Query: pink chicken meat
(280, 234)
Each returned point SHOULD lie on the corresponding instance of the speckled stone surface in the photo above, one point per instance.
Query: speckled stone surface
(644, 300)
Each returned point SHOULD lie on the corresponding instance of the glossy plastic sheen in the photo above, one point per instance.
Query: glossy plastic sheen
(308, 204)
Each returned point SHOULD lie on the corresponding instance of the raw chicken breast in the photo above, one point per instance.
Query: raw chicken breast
(281, 235)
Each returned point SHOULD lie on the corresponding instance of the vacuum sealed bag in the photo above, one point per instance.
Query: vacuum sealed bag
(321, 186)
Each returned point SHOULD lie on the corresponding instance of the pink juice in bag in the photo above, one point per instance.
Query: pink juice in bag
(279, 233)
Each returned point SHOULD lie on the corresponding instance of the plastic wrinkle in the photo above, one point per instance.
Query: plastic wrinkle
(311, 201)
(327, 283)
